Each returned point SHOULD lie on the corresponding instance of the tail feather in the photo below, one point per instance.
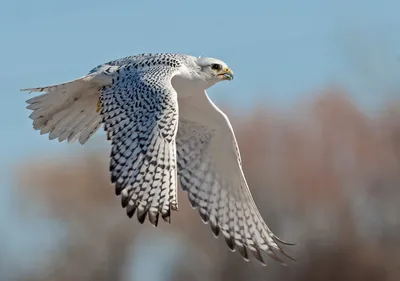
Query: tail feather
(66, 111)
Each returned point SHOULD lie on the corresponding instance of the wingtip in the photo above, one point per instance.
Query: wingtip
(25, 90)
(283, 241)
(141, 215)
(283, 252)
(153, 218)
(257, 255)
(286, 255)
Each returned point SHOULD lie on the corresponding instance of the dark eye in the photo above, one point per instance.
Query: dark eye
(216, 67)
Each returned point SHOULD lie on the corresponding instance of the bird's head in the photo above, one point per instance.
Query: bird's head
(201, 73)
(214, 69)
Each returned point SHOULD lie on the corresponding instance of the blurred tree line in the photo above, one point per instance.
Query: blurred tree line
(326, 176)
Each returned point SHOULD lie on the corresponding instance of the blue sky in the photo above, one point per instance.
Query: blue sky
(280, 52)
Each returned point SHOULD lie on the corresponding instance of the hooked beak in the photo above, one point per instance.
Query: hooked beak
(226, 74)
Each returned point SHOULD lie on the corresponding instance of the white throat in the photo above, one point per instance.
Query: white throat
(186, 83)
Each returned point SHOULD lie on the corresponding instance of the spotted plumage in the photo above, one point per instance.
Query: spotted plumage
(163, 129)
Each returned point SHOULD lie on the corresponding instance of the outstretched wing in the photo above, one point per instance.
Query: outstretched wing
(140, 115)
(209, 170)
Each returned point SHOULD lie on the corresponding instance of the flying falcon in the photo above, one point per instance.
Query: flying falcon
(164, 130)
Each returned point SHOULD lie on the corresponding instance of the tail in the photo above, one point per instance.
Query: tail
(67, 111)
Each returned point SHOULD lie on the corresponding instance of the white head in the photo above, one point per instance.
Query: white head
(213, 69)
(209, 70)
(201, 73)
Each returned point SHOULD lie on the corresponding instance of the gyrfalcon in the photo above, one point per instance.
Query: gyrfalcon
(165, 131)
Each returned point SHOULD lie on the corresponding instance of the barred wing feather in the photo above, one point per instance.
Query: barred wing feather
(209, 170)
(140, 115)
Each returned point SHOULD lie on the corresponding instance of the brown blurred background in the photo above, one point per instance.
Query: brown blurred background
(325, 175)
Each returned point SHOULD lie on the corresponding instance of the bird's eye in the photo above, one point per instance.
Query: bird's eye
(216, 67)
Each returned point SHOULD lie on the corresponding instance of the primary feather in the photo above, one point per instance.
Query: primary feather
(156, 143)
